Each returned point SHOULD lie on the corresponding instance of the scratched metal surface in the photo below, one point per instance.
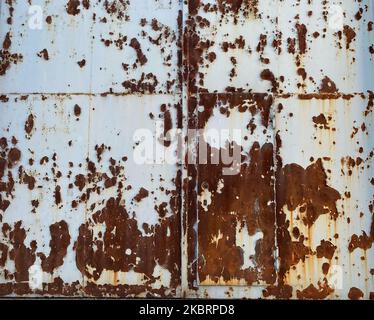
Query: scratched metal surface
(77, 211)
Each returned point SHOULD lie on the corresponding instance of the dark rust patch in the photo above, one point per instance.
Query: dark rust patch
(23, 257)
(60, 240)
(7, 58)
(326, 250)
(122, 234)
(301, 36)
(44, 54)
(308, 190)
(14, 155)
(250, 196)
(321, 121)
(328, 86)
(142, 194)
(29, 124)
(82, 63)
(72, 7)
(77, 110)
(313, 293)
(136, 46)
(355, 294)
(350, 35)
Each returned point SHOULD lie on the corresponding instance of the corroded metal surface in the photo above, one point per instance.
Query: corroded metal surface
(76, 210)
(80, 217)
(309, 237)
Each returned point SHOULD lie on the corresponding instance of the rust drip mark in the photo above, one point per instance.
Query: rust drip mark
(57, 195)
(29, 124)
(302, 73)
(291, 43)
(325, 268)
(164, 139)
(307, 190)
(370, 105)
(301, 36)
(60, 241)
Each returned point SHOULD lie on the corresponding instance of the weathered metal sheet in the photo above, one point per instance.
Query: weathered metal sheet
(315, 58)
(236, 211)
(289, 84)
(325, 200)
(79, 215)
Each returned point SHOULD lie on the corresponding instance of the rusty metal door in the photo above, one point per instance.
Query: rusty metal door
(91, 206)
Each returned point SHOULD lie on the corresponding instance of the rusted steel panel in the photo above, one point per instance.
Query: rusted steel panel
(81, 82)
(236, 211)
(315, 58)
(325, 196)
(130, 46)
(75, 205)
(79, 215)
(323, 41)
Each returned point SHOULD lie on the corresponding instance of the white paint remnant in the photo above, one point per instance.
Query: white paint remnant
(247, 243)
(163, 277)
(205, 198)
(219, 236)
(220, 186)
